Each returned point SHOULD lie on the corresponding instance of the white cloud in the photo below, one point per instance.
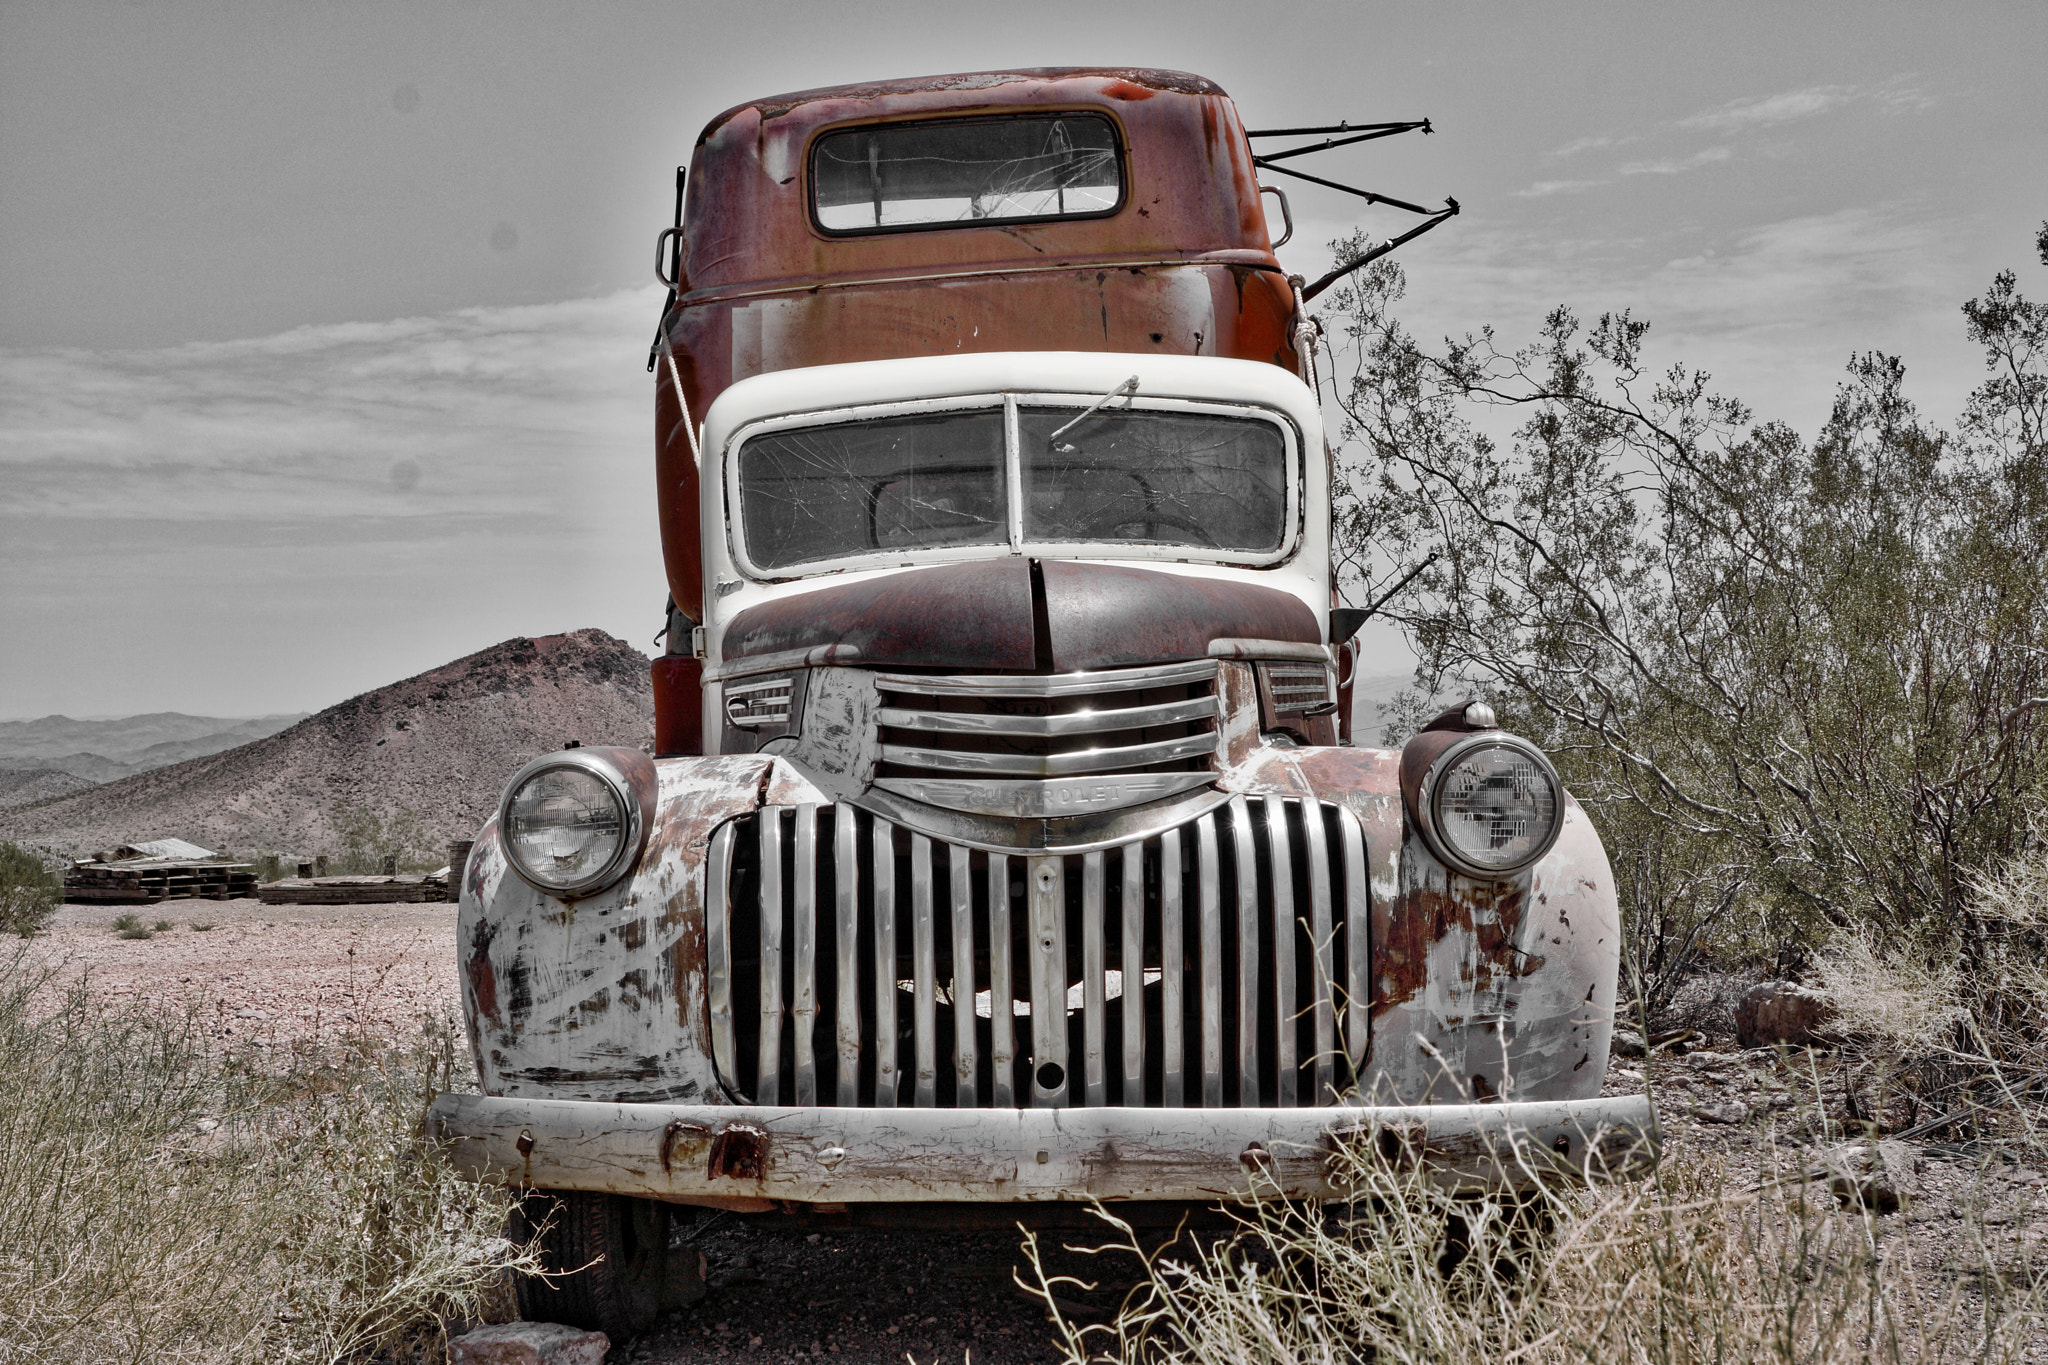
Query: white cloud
(1677, 165)
(1769, 110)
(1543, 189)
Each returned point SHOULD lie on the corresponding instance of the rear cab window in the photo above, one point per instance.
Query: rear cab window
(935, 173)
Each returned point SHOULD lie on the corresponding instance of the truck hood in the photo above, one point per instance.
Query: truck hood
(1023, 616)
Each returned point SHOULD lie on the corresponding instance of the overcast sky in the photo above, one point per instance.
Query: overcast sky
(322, 325)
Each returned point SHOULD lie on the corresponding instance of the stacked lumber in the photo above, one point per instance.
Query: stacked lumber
(405, 888)
(145, 881)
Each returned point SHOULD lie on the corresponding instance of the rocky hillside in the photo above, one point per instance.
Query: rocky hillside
(436, 748)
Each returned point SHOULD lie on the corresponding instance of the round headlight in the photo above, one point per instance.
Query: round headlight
(1494, 805)
(568, 823)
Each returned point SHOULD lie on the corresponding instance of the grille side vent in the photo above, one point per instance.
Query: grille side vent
(1222, 963)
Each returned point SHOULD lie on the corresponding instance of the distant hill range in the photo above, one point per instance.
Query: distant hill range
(437, 747)
(102, 750)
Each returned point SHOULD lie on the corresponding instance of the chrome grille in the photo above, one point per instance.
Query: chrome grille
(1068, 725)
(855, 962)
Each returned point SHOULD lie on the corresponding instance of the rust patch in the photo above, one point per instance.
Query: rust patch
(632, 937)
(739, 1151)
(483, 982)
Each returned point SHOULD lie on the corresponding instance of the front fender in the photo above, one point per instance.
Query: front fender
(1482, 990)
(603, 997)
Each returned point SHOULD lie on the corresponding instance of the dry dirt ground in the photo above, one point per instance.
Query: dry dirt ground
(277, 975)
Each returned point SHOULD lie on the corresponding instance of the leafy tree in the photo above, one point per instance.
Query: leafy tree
(1798, 683)
(29, 892)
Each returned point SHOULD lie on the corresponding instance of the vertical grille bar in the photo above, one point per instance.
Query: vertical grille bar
(803, 1006)
(1094, 982)
(1211, 926)
(846, 940)
(768, 1083)
(1046, 882)
(924, 970)
(1280, 857)
(966, 1056)
(1248, 1080)
(718, 952)
(886, 1077)
(1173, 1043)
(1321, 935)
(1357, 918)
(1131, 962)
(1002, 1013)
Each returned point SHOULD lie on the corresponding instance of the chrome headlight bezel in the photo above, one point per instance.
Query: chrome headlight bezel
(1430, 790)
(593, 762)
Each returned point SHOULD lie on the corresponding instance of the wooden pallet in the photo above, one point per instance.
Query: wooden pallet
(145, 881)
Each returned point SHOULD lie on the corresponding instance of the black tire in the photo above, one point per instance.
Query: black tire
(607, 1255)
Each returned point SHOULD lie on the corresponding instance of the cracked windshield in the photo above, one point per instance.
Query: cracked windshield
(912, 174)
(1159, 478)
(937, 480)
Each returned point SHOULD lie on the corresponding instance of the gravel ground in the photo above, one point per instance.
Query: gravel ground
(277, 974)
(283, 974)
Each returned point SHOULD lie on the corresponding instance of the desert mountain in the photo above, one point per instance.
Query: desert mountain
(102, 750)
(437, 748)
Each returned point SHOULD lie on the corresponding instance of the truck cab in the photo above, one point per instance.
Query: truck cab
(1002, 848)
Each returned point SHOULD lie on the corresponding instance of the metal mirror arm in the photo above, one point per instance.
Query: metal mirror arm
(1449, 211)
(1129, 388)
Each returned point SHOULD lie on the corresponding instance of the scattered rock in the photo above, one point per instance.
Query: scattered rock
(1880, 1176)
(1771, 1013)
(1731, 1113)
(529, 1343)
(1627, 1043)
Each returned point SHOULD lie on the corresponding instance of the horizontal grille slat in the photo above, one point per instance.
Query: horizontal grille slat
(1074, 723)
(1051, 685)
(1231, 949)
(1050, 765)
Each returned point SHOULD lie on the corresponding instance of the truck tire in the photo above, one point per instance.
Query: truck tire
(606, 1256)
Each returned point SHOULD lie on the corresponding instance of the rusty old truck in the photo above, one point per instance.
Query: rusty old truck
(1004, 845)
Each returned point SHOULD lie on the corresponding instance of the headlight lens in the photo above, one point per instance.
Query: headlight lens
(566, 827)
(1495, 806)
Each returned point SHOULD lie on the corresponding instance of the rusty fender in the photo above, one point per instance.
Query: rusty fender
(734, 1155)
(603, 997)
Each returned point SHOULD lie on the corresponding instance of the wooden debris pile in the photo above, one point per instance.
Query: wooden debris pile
(145, 881)
(401, 888)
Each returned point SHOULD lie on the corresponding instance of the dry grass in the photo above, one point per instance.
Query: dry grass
(168, 1201)
(1696, 1265)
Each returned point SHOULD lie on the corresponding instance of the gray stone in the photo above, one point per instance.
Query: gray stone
(1879, 1176)
(1627, 1043)
(529, 1343)
(1774, 1013)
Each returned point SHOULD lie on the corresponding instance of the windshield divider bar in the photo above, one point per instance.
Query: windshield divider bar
(1013, 460)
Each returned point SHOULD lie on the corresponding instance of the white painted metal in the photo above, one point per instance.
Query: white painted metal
(884, 866)
(846, 939)
(1248, 1079)
(966, 1055)
(1210, 926)
(1046, 890)
(718, 981)
(803, 1005)
(924, 972)
(1322, 933)
(1173, 948)
(862, 1155)
(1094, 984)
(1131, 963)
(1002, 1016)
(1280, 859)
(1357, 938)
(768, 1074)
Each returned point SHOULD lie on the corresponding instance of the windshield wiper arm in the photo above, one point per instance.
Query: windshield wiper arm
(1128, 388)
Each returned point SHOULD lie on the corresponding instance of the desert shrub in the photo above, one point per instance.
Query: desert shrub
(29, 892)
(1693, 1265)
(167, 1201)
(1799, 684)
(367, 839)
